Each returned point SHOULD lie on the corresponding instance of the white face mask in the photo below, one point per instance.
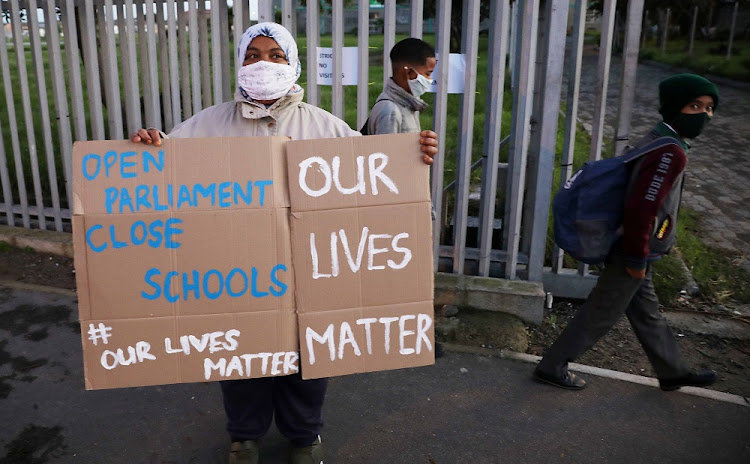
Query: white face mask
(265, 80)
(420, 85)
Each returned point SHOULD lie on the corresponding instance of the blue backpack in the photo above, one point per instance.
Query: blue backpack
(588, 210)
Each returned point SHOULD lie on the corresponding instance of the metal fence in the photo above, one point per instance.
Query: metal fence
(85, 69)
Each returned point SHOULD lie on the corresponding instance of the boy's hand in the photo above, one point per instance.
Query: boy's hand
(636, 273)
(429, 144)
(147, 136)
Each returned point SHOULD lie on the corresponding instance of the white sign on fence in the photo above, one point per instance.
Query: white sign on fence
(456, 70)
(253, 7)
(348, 69)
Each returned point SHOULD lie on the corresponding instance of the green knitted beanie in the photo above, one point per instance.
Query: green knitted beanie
(677, 91)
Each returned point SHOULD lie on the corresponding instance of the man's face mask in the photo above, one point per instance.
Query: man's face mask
(690, 125)
(420, 85)
(265, 80)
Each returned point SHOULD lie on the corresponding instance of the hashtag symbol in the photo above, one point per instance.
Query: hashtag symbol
(99, 333)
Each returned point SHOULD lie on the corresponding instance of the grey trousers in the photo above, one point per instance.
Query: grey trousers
(295, 404)
(617, 293)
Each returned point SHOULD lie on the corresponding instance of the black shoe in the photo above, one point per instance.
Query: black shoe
(312, 454)
(701, 379)
(569, 381)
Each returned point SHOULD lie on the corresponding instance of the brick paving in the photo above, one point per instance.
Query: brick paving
(718, 173)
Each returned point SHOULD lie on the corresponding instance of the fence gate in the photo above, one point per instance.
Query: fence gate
(84, 69)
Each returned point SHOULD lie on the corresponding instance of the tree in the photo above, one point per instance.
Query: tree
(681, 10)
(430, 10)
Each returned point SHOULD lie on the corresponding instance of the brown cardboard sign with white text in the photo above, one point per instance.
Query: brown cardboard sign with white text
(367, 339)
(370, 256)
(356, 171)
(186, 258)
(362, 250)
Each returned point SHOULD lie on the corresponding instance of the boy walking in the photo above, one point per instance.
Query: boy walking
(687, 103)
(396, 110)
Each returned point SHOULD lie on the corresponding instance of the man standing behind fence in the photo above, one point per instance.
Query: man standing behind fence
(396, 111)
(687, 103)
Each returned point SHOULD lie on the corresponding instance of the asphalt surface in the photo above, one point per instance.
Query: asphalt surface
(466, 408)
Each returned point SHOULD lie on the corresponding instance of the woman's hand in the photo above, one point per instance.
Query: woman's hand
(429, 144)
(147, 136)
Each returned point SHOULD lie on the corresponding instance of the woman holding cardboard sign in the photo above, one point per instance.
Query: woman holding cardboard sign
(267, 102)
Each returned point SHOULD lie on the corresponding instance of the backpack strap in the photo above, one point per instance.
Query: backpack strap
(637, 152)
(364, 130)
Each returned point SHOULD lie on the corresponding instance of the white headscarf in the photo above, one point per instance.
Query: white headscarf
(278, 33)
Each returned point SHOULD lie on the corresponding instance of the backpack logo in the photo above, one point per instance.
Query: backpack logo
(569, 182)
(664, 227)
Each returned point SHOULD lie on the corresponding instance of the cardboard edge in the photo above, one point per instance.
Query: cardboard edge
(80, 260)
(279, 168)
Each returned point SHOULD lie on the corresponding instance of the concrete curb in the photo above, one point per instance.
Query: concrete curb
(38, 288)
(599, 372)
(43, 241)
(516, 297)
(632, 378)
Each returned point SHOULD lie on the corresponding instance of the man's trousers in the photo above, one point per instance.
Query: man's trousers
(297, 404)
(616, 292)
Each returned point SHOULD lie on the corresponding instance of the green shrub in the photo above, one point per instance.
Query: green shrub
(715, 270)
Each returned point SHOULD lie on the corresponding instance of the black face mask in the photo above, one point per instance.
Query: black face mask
(690, 125)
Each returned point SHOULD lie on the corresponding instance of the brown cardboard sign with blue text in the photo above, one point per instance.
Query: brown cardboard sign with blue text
(183, 261)
(186, 258)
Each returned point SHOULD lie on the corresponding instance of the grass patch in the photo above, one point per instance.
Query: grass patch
(719, 278)
(669, 278)
(709, 57)
(6, 247)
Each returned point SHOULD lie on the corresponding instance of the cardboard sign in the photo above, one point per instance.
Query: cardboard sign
(185, 259)
(362, 249)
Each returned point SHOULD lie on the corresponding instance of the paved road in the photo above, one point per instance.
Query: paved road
(465, 409)
(718, 179)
